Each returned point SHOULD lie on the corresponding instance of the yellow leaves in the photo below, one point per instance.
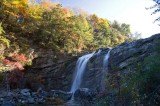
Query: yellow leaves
(121, 38)
(1, 29)
(7, 4)
(11, 13)
(103, 23)
(19, 2)
(4, 41)
(66, 19)
(35, 12)
(15, 7)
(15, 2)
(115, 40)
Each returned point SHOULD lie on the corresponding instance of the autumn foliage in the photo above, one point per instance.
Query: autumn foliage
(15, 76)
(49, 25)
(21, 58)
(18, 62)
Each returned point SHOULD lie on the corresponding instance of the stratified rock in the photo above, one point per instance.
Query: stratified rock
(125, 54)
(59, 74)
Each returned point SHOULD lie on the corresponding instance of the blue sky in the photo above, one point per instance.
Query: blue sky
(132, 12)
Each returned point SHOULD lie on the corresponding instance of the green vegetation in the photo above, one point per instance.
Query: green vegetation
(26, 25)
(50, 26)
(139, 86)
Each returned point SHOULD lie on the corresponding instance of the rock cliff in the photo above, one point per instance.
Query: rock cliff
(59, 75)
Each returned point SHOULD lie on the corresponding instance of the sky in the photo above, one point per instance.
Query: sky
(132, 12)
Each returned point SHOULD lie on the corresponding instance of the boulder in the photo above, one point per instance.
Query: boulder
(7, 103)
(61, 94)
(26, 92)
(85, 94)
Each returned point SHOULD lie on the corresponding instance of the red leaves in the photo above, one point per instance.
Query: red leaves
(19, 64)
(13, 64)
(6, 61)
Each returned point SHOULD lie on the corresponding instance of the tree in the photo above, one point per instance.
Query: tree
(156, 8)
(125, 29)
(49, 25)
(116, 25)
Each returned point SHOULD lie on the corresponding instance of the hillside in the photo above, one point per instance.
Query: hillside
(27, 26)
(44, 45)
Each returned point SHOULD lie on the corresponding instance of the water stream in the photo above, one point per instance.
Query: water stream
(104, 70)
(80, 68)
(105, 61)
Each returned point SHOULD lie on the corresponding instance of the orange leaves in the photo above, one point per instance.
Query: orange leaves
(48, 5)
(21, 57)
(17, 63)
(66, 10)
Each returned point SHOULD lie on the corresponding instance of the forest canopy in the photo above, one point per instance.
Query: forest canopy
(27, 24)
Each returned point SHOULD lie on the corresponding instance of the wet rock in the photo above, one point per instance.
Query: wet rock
(25, 92)
(85, 93)
(31, 100)
(62, 94)
(7, 103)
(42, 93)
(24, 96)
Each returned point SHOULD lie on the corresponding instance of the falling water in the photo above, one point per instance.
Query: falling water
(80, 68)
(105, 61)
(104, 70)
(99, 51)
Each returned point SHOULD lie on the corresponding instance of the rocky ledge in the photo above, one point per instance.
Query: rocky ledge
(124, 54)
(27, 97)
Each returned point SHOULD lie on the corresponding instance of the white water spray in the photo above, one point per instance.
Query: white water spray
(104, 70)
(105, 61)
(80, 68)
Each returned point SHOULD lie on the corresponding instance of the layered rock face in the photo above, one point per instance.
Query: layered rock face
(59, 75)
(49, 73)
(125, 54)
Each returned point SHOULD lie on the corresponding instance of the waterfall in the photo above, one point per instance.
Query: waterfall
(105, 61)
(80, 68)
(104, 70)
